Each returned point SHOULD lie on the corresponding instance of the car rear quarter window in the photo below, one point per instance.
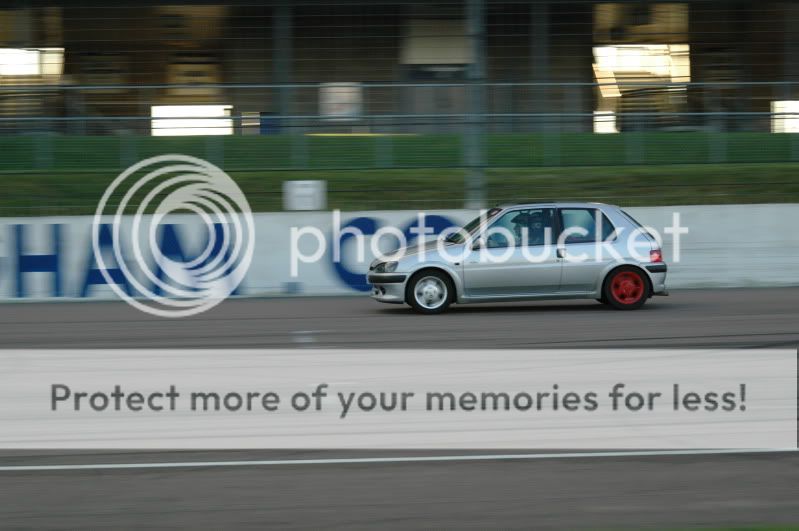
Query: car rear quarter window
(594, 225)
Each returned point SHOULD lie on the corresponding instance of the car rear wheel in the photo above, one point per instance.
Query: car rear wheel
(430, 292)
(626, 288)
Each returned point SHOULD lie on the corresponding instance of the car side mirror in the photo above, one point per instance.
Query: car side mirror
(479, 243)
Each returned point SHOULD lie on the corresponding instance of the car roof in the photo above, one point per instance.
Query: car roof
(556, 204)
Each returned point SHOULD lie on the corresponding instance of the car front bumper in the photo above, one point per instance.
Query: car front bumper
(388, 287)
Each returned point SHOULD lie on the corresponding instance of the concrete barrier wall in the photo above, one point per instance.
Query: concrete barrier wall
(51, 258)
(731, 245)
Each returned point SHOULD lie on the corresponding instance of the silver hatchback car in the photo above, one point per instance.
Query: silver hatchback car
(527, 252)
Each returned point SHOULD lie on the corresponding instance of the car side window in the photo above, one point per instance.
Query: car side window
(521, 227)
(585, 225)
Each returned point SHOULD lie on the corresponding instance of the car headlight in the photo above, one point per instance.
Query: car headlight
(386, 267)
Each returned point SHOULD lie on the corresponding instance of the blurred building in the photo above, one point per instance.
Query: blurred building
(258, 67)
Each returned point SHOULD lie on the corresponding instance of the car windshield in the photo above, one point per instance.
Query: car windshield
(469, 229)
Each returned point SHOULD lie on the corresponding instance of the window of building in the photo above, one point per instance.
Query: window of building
(605, 122)
(436, 42)
(185, 120)
(31, 62)
(785, 116)
(640, 78)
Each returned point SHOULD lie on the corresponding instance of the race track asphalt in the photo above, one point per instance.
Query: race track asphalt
(690, 318)
(590, 492)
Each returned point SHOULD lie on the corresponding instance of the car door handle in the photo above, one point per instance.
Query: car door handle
(561, 253)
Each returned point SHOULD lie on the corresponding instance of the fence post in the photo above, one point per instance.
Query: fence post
(718, 145)
(539, 65)
(128, 152)
(795, 147)
(281, 55)
(215, 150)
(43, 149)
(552, 146)
(475, 141)
(634, 147)
(384, 151)
(299, 146)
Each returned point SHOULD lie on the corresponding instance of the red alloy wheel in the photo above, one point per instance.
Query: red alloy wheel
(627, 287)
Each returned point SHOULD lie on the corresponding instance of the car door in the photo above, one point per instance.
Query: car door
(584, 260)
(513, 258)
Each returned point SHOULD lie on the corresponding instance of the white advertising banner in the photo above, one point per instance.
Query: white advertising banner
(398, 399)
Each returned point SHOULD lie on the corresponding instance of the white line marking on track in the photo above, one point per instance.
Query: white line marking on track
(386, 460)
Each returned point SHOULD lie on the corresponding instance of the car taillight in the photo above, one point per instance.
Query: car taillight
(655, 255)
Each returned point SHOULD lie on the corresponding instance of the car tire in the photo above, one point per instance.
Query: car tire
(626, 288)
(430, 292)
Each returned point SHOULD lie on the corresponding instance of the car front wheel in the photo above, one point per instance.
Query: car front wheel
(430, 292)
(626, 288)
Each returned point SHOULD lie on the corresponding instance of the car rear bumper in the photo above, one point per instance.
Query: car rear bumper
(657, 273)
(657, 268)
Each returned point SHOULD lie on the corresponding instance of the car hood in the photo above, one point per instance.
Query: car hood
(411, 253)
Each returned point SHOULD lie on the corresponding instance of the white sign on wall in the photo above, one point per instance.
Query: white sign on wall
(340, 101)
(304, 195)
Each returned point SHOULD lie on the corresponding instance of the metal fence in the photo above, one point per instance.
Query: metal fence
(402, 107)
(466, 143)
(403, 102)
(396, 125)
